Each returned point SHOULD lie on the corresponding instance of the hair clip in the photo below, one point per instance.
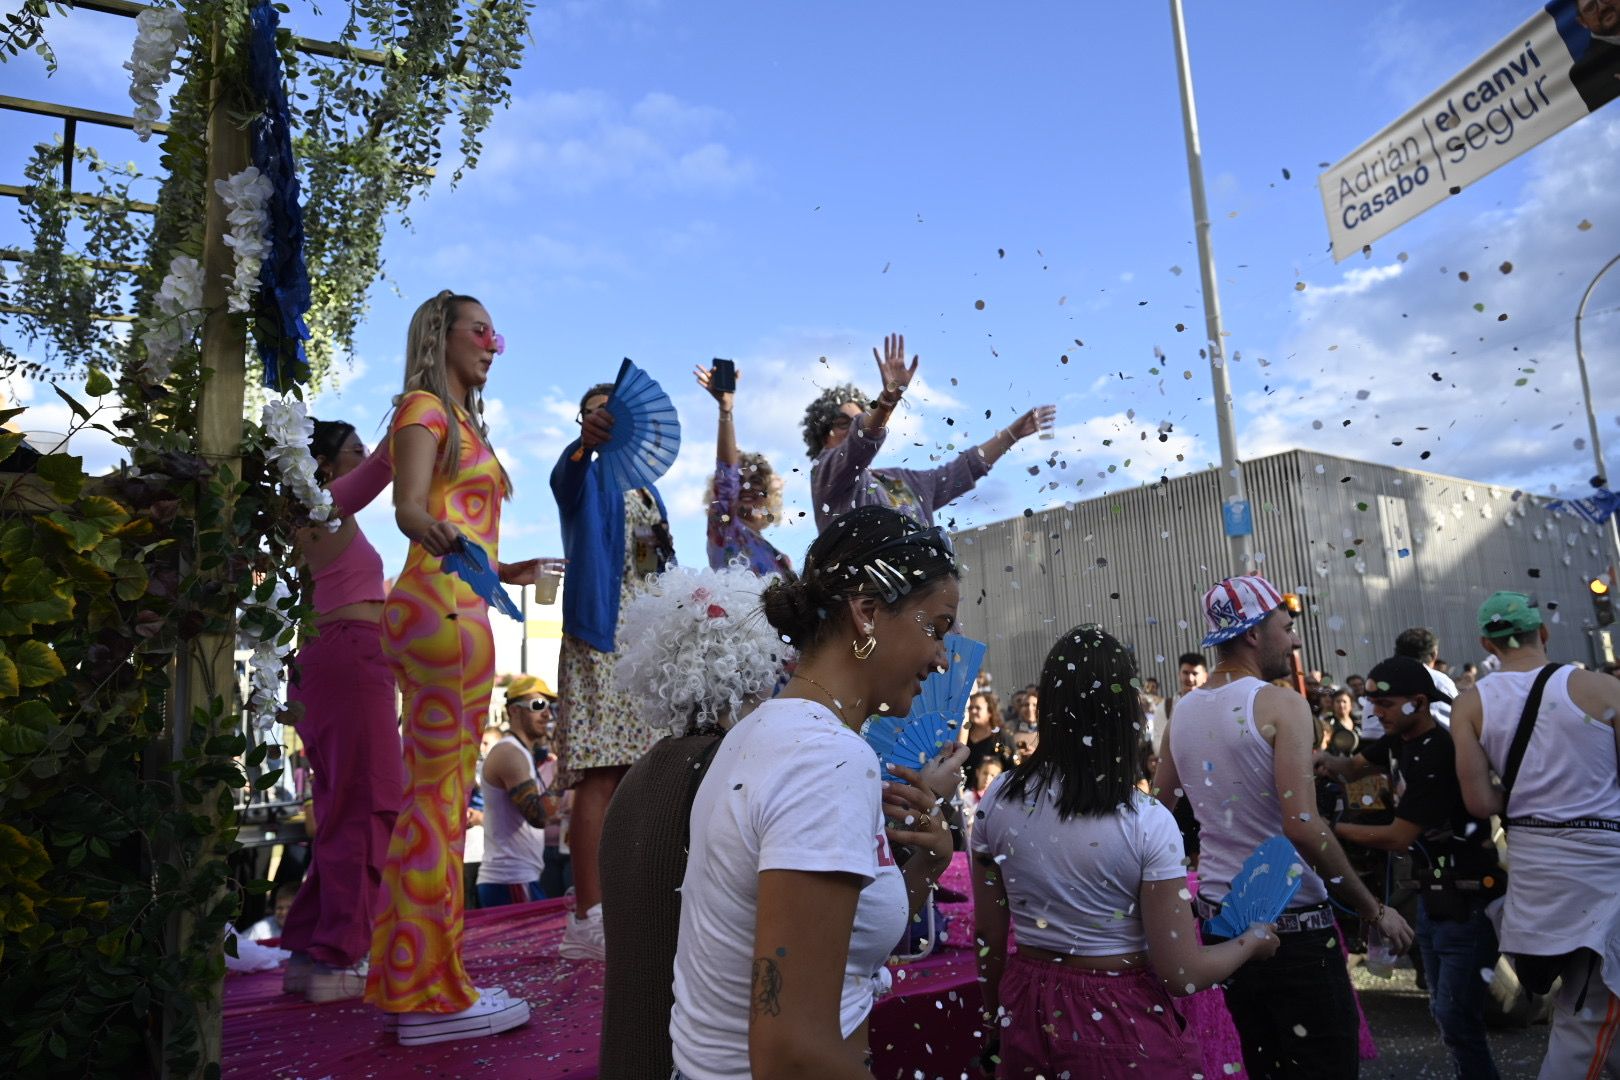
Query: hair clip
(889, 580)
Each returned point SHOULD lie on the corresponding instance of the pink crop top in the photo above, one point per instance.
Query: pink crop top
(356, 575)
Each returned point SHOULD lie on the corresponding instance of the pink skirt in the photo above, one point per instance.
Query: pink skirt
(1103, 1025)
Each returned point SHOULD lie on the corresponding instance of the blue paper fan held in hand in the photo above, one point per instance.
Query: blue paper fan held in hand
(1262, 889)
(936, 712)
(469, 562)
(646, 432)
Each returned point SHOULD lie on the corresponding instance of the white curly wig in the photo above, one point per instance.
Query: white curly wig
(695, 646)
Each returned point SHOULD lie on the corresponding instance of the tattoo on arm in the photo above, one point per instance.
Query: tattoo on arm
(526, 797)
(766, 992)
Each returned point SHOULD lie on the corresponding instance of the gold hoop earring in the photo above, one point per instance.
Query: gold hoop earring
(863, 649)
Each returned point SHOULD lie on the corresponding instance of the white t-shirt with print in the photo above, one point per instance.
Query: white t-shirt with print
(790, 788)
(1073, 886)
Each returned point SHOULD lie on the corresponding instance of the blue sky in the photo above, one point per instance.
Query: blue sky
(786, 183)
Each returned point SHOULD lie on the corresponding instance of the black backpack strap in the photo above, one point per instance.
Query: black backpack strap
(1521, 736)
(700, 768)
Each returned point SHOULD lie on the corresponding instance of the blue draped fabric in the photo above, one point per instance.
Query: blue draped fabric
(279, 326)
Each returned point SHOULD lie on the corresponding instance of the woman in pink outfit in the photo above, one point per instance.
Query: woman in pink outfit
(350, 730)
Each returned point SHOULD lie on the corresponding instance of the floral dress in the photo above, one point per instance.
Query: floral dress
(597, 725)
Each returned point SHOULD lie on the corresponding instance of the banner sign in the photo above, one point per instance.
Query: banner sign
(1559, 66)
(1595, 508)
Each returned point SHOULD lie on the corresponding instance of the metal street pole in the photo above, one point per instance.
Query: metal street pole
(1591, 418)
(1233, 491)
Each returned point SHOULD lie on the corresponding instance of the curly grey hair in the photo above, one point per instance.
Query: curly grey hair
(820, 414)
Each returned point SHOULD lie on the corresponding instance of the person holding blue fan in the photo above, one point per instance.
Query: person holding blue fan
(613, 539)
(1239, 749)
(1089, 870)
(793, 899)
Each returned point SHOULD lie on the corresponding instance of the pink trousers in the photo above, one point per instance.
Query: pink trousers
(1102, 1025)
(350, 732)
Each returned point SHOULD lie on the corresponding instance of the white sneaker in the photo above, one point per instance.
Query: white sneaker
(328, 984)
(485, 993)
(295, 980)
(582, 938)
(489, 1015)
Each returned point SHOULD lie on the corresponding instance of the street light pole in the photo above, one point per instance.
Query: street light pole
(1591, 417)
(1233, 490)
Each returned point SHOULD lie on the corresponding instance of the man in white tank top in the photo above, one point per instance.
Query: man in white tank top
(1240, 751)
(514, 807)
(1562, 815)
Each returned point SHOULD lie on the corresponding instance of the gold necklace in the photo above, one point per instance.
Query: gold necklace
(838, 706)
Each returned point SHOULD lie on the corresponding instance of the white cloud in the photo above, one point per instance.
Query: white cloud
(580, 141)
(1417, 356)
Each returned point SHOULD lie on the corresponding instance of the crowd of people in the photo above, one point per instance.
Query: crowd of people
(699, 784)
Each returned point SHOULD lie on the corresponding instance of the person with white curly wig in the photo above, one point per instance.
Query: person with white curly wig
(697, 656)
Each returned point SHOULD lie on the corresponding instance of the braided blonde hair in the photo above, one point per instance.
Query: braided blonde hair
(424, 370)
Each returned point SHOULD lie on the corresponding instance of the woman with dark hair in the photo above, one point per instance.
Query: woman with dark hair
(1089, 869)
(843, 432)
(745, 496)
(792, 900)
(350, 729)
(986, 737)
(613, 540)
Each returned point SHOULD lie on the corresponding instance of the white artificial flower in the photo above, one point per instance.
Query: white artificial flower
(177, 314)
(247, 199)
(158, 35)
(288, 429)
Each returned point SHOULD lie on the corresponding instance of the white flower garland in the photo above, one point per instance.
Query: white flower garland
(269, 657)
(158, 34)
(179, 312)
(247, 199)
(287, 429)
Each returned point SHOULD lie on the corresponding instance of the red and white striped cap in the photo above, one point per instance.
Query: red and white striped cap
(1238, 604)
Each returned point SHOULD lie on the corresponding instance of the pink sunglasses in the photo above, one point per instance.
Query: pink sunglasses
(487, 338)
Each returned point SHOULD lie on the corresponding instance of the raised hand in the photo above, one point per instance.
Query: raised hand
(596, 429)
(892, 368)
(1028, 424)
(705, 379)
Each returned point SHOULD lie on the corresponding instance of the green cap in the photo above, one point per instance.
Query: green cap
(1508, 614)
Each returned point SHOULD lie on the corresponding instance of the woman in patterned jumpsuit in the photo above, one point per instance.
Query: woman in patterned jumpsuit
(448, 489)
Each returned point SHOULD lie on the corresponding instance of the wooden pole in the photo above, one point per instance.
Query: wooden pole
(205, 672)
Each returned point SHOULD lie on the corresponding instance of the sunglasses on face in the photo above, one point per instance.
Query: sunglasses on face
(487, 338)
(537, 705)
(842, 422)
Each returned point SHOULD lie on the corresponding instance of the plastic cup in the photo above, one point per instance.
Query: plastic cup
(1380, 957)
(1046, 416)
(545, 588)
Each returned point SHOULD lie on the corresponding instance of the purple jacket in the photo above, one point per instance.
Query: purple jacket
(841, 479)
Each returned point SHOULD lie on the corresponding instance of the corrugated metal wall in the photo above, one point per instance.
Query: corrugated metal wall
(1374, 549)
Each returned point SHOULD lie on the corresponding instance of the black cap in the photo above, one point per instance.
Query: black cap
(1401, 676)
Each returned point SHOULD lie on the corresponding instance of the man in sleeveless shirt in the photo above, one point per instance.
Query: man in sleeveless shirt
(514, 807)
(1240, 752)
(1561, 810)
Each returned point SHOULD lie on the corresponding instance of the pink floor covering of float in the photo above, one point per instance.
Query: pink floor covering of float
(928, 1026)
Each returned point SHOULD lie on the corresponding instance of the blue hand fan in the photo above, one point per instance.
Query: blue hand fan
(936, 712)
(1262, 889)
(469, 562)
(646, 432)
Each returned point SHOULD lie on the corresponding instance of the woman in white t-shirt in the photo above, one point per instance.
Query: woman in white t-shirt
(1090, 872)
(792, 899)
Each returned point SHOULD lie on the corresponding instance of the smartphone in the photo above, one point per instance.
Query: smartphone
(723, 377)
